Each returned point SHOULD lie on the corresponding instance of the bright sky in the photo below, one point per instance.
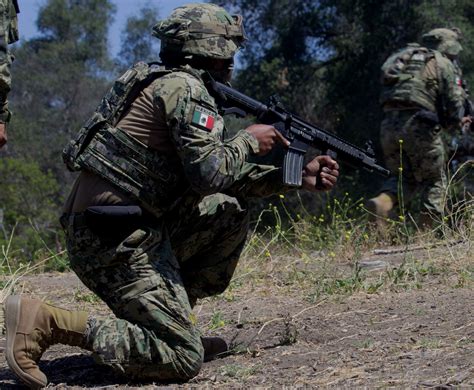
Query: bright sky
(124, 8)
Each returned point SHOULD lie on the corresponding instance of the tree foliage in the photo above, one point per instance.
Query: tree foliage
(58, 78)
(322, 57)
(29, 197)
(137, 42)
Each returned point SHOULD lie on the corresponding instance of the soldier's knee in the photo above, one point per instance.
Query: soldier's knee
(190, 362)
(182, 366)
(186, 364)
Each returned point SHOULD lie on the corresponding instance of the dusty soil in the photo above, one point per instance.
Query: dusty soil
(409, 338)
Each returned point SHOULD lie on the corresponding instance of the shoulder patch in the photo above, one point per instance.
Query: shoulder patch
(203, 118)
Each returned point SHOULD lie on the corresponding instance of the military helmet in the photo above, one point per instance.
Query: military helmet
(445, 40)
(205, 30)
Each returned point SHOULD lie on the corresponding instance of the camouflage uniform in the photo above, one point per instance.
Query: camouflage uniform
(8, 35)
(191, 180)
(421, 96)
(467, 143)
(463, 146)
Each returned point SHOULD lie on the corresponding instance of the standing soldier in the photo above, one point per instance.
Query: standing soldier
(158, 217)
(8, 34)
(421, 96)
(465, 155)
(462, 144)
(462, 163)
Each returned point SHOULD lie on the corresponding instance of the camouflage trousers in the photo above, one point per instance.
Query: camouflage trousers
(463, 163)
(463, 171)
(152, 278)
(415, 146)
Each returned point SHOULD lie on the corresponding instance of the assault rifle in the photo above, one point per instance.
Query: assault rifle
(301, 134)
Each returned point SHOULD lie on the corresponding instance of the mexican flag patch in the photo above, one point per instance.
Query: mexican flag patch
(203, 118)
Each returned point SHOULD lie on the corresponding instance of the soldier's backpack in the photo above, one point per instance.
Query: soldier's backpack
(403, 79)
(394, 68)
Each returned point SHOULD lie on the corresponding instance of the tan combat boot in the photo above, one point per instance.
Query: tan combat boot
(32, 327)
(380, 207)
(213, 347)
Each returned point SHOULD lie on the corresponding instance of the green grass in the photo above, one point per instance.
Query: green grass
(86, 296)
(316, 253)
(217, 320)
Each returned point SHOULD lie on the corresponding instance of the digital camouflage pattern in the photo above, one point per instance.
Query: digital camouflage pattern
(417, 77)
(206, 30)
(423, 158)
(421, 96)
(8, 35)
(203, 161)
(462, 144)
(111, 107)
(444, 40)
(152, 277)
(194, 182)
(463, 160)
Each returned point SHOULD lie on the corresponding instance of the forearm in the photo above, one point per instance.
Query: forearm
(260, 181)
(212, 165)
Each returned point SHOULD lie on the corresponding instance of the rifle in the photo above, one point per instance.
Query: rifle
(301, 134)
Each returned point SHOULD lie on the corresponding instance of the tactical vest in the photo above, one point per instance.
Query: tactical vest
(111, 153)
(402, 79)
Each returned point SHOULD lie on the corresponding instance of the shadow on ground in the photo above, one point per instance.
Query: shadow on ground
(77, 370)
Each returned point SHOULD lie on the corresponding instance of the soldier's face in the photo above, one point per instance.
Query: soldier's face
(222, 70)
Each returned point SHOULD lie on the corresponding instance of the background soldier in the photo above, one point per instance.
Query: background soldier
(8, 34)
(463, 159)
(421, 95)
(462, 144)
(158, 216)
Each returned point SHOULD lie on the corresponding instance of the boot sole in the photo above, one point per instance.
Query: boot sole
(12, 320)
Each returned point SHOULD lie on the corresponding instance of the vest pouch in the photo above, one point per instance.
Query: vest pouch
(410, 89)
(132, 167)
(110, 109)
(76, 146)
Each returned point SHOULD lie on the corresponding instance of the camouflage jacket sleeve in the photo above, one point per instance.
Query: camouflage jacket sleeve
(450, 93)
(8, 34)
(211, 164)
(258, 181)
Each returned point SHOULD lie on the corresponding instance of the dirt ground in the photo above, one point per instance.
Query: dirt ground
(419, 337)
